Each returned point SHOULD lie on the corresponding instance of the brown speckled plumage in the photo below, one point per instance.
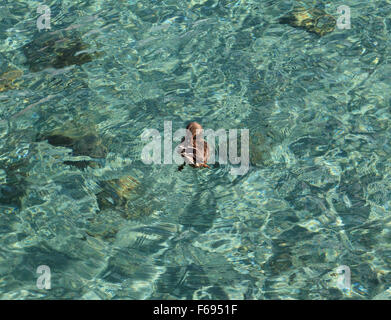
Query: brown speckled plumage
(193, 148)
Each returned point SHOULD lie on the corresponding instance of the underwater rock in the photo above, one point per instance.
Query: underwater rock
(7, 80)
(256, 152)
(312, 20)
(13, 183)
(12, 192)
(118, 199)
(123, 194)
(56, 51)
(260, 148)
(82, 143)
(116, 192)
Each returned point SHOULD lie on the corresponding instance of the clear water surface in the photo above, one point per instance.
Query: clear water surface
(316, 197)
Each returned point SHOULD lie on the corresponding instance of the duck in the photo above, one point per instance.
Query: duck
(193, 148)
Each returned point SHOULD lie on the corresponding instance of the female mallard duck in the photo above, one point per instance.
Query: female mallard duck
(193, 148)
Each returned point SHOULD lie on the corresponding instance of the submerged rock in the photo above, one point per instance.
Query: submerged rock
(121, 194)
(7, 80)
(124, 195)
(13, 183)
(56, 51)
(116, 192)
(82, 143)
(258, 151)
(312, 20)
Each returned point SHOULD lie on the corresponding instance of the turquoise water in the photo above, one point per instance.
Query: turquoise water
(316, 196)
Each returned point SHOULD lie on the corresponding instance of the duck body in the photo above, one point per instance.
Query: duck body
(193, 148)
